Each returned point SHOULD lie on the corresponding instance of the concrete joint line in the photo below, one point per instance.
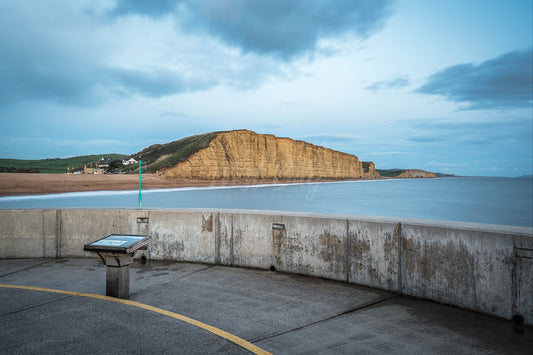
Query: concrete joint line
(217, 238)
(207, 267)
(58, 234)
(361, 307)
(232, 245)
(26, 268)
(36, 306)
(398, 233)
(514, 280)
(43, 236)
(348, 261)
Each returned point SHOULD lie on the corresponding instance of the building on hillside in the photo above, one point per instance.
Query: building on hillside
(129, 161)
(104, 162)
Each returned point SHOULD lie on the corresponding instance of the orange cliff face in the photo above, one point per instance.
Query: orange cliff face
(415, 173)
(244, 154)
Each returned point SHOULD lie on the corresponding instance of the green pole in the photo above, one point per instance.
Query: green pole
(140, 185)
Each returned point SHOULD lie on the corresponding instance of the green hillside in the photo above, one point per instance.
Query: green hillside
(157, 156)
(160, 156)
(390, 172)
(54, 166)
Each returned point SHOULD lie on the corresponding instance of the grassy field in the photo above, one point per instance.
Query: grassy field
(157, 156)
(53, 166)
(390, 172)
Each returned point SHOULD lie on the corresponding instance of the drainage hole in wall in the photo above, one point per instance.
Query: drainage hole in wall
(518, 319)
(272, 268)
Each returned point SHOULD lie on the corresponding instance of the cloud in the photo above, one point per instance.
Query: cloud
(397, 83)
(153, 8)
(154, 82)
(504, 82)
(470, 133)
(72, 56)
(282, 29)
(83, 52)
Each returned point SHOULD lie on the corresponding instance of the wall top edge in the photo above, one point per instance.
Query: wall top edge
(492, 228)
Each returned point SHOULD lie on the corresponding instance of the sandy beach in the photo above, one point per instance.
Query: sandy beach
(12, 184)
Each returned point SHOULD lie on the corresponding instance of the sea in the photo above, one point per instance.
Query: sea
(493, 200)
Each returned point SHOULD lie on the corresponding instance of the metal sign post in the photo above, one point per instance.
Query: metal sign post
(140, 178)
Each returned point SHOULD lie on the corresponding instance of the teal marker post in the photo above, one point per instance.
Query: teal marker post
(140, 179)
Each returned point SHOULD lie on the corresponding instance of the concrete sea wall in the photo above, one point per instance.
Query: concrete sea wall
(485, 268)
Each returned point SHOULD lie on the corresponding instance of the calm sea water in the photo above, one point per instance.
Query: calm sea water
(507, 201)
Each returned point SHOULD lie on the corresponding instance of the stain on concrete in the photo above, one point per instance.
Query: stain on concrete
(207, 223)
(278, 245)
(331, 248)
(288, 250)
(444, 267)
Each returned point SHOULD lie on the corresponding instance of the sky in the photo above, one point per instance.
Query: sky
(441, 85)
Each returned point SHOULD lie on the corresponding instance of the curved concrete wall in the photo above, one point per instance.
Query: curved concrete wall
(486, 268)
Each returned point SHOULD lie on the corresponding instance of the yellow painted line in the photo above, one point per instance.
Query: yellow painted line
(221, 333)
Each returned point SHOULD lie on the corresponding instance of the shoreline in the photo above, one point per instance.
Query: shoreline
(24, 184)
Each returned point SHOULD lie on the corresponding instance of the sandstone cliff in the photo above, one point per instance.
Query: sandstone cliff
(244, 154)
(416, 173)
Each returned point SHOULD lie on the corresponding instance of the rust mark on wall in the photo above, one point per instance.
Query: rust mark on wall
(360, 246)
(287, 249)
(278, 245)
(207, 223)
(447, 263)
(331, 248)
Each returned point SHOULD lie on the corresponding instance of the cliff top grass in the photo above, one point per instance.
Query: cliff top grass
(390, 172)
(160, 156)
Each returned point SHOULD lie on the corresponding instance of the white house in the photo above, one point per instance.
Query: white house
(129, 161)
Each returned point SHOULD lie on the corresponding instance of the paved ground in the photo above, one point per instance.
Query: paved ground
(278, 313)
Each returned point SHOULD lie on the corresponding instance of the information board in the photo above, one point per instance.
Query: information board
(118, 243)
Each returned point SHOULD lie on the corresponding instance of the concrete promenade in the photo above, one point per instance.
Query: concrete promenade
(480, 267)
(271, 311)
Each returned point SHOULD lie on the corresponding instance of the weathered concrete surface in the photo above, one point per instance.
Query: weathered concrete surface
(480, 267)
(28, 235)
(374, 254)
(523, 278)
(471, 269)
(184, 236)
(314, 246)
(79, 227)
(280, 313)
(250, 239)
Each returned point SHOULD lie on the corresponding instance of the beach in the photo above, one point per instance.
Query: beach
(13, 184)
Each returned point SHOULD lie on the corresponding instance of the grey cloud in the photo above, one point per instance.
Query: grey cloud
(502, 82)
(41, 64)
(281, 28)
(156, 82)
(488, 132)
(397, 83)
(153, 8)
(66, 63)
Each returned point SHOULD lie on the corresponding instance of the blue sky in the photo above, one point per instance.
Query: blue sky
(440, 85)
